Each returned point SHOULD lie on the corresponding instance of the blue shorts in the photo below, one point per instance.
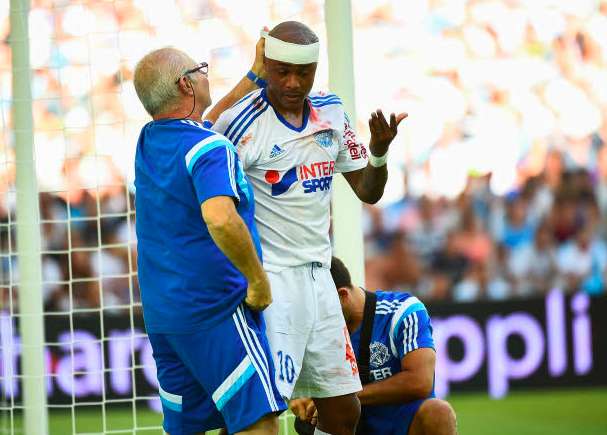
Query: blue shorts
(411, 410)
(218, 377)
(389, 419)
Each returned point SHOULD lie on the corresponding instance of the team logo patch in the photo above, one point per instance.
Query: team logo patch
(324, 138)
(379, 354)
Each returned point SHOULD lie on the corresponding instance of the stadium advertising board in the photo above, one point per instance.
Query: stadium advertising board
(534, 343)
(494, 346)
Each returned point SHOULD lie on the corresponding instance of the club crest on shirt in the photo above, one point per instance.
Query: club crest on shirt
(379, 354)
(324, 138)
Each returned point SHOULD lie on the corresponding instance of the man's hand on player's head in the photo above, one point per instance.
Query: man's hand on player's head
(259, 296)
(244, 86)
(382, 132)
(258, 68)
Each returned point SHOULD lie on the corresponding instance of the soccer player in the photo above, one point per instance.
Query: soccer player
(399, 399)
(291, 143)
(200, 272)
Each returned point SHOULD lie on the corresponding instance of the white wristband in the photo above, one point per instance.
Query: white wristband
(377, 162)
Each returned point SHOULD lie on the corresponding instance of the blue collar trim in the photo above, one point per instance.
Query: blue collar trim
(306, 114)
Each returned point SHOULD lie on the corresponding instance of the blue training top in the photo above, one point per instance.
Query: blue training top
(401, 325)
(186, 282)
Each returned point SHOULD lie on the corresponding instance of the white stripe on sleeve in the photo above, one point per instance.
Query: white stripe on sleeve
(230, 157)
(415, 331)
(206, 141)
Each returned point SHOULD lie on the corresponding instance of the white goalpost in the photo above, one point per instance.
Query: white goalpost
(31, 317)
(346, 208)
(74, 356)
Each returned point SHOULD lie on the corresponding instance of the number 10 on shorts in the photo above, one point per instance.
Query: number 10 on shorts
(286, 367)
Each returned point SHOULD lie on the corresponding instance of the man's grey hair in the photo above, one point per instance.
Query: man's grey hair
(155, 77)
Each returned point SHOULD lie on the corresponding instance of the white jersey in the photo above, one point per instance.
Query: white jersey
(291, 170)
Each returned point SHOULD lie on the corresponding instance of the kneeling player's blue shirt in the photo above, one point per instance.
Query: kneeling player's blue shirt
(401, 325)
(186, 281)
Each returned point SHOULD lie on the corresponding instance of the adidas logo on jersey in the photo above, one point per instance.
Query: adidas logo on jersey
(276, 151)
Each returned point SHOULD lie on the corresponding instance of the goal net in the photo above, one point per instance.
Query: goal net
(99, 372)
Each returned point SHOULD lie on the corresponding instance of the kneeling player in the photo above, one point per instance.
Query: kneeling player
(398, 392)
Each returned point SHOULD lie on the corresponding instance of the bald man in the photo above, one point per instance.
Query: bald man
(199, 259)
(291, 143)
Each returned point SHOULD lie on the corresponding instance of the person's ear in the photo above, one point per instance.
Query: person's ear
(343, 293)
(185, 84)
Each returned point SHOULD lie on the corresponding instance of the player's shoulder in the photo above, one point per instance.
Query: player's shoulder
(194, 133)
(242, 116)
(405, 309)
(247, 98)
(328, 107)
(323, 99)
(388, 302)
(198, 140)
(398, 305)
(246, 103)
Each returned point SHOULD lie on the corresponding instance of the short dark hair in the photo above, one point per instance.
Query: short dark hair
(340, 273)
(294, 32)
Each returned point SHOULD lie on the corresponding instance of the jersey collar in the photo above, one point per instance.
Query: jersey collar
(306, 114)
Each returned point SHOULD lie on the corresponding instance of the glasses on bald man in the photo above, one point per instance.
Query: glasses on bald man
(202, 67)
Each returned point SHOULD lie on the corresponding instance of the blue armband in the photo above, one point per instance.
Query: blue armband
(256, 79)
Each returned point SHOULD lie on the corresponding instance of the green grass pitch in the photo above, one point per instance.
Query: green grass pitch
(561, 412)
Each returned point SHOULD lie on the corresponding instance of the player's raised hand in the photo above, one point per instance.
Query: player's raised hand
(259, 296)
(382, 132)
(258, 67)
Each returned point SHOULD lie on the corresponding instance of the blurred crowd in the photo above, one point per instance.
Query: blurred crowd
(503, 175)
(498, 181)
(549, 233)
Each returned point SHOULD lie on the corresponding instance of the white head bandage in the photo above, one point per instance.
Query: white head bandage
(288, 52)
